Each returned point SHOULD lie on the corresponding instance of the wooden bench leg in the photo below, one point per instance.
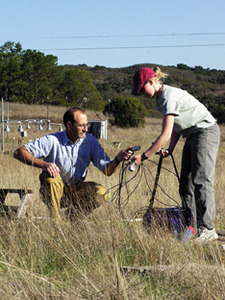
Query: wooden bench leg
(25, 199)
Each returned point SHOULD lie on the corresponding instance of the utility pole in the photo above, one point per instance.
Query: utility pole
(47, 108)
(3, 125)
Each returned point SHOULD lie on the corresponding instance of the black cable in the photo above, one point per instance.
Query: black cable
(122, 182)
(141, 172)
(159, 186)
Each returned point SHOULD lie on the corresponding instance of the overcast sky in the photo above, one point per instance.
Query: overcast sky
(119, 33)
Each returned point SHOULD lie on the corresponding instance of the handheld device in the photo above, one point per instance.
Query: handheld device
(135, 148)
(132, 164)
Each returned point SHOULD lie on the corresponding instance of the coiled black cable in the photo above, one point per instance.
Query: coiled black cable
(141, 172)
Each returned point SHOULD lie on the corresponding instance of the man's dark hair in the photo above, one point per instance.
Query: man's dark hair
(69, 115)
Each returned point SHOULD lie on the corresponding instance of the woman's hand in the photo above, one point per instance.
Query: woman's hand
(137, 159)
(164, 152)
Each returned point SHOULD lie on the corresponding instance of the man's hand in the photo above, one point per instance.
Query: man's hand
(52, 169)
(124, 154)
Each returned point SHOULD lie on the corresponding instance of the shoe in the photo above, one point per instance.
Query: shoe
(205, 235)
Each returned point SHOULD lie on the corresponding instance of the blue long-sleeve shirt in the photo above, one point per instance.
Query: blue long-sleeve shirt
(72, 159)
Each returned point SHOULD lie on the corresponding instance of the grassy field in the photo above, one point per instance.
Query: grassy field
(40, 259)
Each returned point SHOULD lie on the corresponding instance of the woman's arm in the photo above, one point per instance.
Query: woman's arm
(174, 139)
(166, 134)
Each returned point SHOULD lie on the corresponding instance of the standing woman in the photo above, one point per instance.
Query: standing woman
(185, 116)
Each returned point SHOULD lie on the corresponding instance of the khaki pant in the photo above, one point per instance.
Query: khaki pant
(79, 199)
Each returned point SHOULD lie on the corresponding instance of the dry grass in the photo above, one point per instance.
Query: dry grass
(44, 260)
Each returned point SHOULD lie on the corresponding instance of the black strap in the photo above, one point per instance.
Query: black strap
(157, 180)
(155, 184)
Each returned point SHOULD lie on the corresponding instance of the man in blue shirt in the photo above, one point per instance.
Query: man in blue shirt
(64, 158)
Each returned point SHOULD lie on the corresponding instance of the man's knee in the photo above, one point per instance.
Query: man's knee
(89, 195)
(50, 186)
(102, 193)
(94, 191)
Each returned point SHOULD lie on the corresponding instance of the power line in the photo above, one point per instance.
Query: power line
(132, 47)
(127, 35)
(135, 35)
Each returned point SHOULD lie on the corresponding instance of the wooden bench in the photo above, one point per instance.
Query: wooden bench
(25, 196)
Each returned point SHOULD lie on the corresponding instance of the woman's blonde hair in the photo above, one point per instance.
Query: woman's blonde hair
(159, 74)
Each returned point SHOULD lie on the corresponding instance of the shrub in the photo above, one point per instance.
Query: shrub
(127, 111)
(218, 111)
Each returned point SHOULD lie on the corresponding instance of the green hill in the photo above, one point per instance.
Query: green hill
(31, 77)
(207, 85)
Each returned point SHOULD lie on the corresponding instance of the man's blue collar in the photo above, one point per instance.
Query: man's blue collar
(66, 140)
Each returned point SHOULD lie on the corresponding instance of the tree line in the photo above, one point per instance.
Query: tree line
(29, 76)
